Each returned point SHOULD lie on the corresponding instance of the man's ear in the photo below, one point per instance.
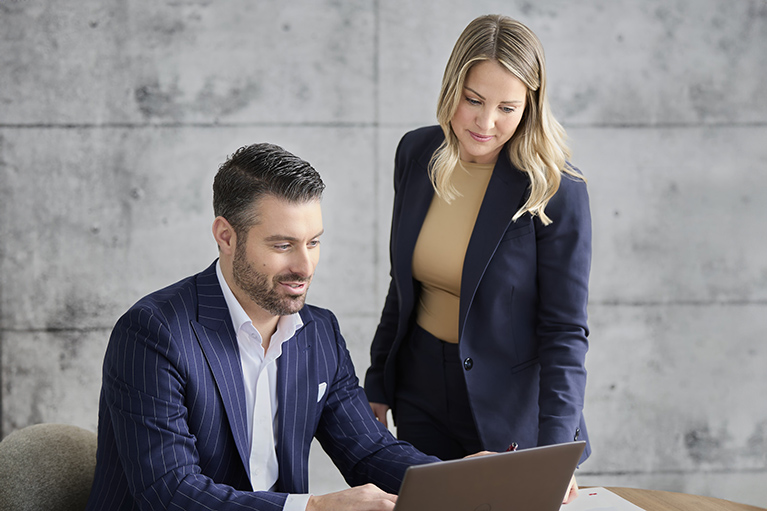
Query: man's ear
(224, 234)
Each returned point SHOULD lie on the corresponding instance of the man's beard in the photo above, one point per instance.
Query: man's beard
(256, 286)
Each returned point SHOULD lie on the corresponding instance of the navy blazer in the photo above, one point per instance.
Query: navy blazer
(524, 292)
(172, 427)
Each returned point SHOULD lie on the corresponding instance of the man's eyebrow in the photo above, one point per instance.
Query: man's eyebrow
(282, 237)
(515, 102)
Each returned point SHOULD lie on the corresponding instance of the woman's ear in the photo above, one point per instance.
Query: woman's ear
(224, 234)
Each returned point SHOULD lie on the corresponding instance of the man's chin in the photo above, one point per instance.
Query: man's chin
(291, 305)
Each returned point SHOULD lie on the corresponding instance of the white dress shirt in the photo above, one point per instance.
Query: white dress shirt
(259, 374)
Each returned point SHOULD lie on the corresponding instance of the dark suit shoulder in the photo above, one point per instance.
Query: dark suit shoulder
(192, 298)
(184, 290)
(420, 143)
(184, 294)
(572, 192)
(569, 208)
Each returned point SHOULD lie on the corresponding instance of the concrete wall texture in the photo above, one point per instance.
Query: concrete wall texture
(114, 116)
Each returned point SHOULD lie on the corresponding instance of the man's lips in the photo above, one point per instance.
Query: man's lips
(293, 287)
(480, 138)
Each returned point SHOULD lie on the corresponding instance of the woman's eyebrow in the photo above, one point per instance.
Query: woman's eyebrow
(513, 102)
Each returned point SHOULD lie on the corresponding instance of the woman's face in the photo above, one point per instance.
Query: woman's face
(489, 111)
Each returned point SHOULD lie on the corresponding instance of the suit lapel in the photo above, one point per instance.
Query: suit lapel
(504, 195)
(219, 344)
(417, 194)
(297, 388)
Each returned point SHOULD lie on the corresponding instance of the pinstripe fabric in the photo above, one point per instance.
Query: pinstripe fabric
(172, 426)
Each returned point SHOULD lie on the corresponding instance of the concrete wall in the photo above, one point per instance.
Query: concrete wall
(115, 115)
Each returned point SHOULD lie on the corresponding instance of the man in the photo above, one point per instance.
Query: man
(214, 387)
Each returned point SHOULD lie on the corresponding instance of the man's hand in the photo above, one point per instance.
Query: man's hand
(360, 498)
(380, 410)
(572, 491)
(480, 453)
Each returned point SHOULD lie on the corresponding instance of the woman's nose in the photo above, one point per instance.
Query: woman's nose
(484, 120)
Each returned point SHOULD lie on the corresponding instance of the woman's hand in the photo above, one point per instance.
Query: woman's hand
(380, 410)
(572, 491)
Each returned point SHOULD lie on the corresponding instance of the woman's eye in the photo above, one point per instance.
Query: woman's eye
(472, 101)
(508, 109)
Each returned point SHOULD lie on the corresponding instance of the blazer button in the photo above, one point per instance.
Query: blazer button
(468, 363)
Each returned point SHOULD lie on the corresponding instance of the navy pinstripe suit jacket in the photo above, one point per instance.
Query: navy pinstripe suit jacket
(172, 430)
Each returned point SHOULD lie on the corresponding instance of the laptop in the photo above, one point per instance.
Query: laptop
(532, 479)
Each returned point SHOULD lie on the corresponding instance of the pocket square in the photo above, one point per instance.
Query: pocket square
(321, 390)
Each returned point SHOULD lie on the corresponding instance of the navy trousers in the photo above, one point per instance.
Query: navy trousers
(432, 409)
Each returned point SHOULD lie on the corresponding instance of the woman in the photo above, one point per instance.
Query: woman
(483, 336)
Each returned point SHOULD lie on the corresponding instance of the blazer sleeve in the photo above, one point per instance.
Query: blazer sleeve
(361, 447)
(144, 385)
(389, 322)
(564, 261)
(381, 347)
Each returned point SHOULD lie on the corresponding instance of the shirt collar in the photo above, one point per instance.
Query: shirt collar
(286, 325)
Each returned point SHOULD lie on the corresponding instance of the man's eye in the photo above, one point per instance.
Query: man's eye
(284, 246)
(314, 243)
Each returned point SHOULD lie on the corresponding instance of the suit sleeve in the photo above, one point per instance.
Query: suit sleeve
(564, 261)
(387, 327)
(381, 346)
(363, 450)
(144, 386)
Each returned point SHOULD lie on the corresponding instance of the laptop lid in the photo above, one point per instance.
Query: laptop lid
(529, 480)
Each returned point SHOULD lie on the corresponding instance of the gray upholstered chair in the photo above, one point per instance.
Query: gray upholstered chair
(47, 467)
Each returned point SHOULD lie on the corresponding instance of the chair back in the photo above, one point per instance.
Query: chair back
(47, 467)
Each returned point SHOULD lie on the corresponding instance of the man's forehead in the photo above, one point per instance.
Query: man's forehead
(283, 218)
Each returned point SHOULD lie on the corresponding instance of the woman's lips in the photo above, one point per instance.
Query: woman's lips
(480, 138)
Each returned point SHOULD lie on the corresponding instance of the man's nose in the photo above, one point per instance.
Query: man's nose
(303, 263)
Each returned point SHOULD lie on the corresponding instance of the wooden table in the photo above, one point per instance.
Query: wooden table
(654, 500)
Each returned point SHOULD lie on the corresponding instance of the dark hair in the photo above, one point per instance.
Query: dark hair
(255, 171)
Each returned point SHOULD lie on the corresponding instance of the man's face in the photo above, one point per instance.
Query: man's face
(274, 263)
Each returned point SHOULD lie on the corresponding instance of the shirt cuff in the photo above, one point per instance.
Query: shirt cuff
(297, 502)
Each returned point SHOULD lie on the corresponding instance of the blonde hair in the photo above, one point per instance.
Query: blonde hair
(538, 146)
